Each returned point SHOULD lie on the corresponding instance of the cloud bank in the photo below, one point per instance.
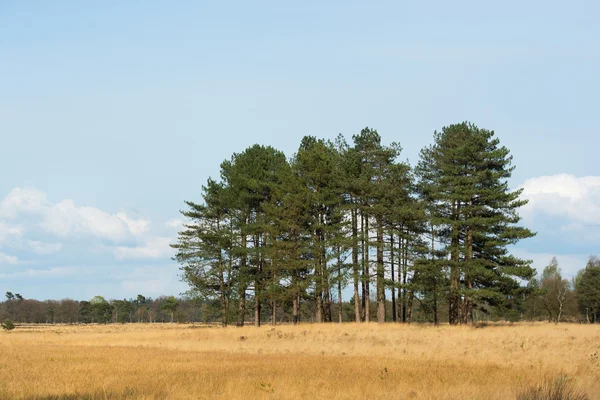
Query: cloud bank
(79, 248)
(565, 212)
(575, 200)
(65, 219)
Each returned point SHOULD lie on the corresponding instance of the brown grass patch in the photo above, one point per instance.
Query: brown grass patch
(346, 361)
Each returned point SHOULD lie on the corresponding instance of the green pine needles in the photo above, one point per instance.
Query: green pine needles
(296, 232)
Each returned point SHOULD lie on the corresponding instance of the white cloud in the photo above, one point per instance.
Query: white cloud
(564, 196)
(44, 248)
(565, 211)
(8, 232)
(65, 218)
(21, 200)
(6, 259)
(33, 224)
(137, 227)
(154, 248)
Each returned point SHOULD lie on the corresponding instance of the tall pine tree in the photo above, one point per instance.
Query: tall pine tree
(465, 174)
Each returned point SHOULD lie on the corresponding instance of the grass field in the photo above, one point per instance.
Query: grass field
(332, 361)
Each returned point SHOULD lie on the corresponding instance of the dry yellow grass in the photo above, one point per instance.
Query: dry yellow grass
(346, 361)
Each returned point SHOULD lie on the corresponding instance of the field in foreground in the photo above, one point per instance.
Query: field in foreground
(333, 361)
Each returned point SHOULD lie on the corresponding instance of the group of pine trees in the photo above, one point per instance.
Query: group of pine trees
(277, 232)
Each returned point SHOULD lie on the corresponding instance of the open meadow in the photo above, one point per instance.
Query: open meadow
(329, 361)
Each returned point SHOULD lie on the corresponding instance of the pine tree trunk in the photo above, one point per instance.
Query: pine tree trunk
(242, 289)
(295, 309)
(222, 293)
(400, 263)
(229, 280)
(367, 273)
(409, 306)
(257, 283)
(339, 285)
(274, 304)
(380, 274)
(319, 309)
(241, 306)
(468, 303)
(404, 276)
(392, 277)
(454, 299)
(256, 309)
(355, 264)
(436, 320)
(295, 298)
(404, 289)
(223, 304)
(364, 275)
(467, 308)
(318, 283)
(326, 283)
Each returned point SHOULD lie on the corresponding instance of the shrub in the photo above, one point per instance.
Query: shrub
(560, 388)
(8, 325)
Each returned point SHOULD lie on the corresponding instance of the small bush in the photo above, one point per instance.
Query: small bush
(8, 325)
(560, 388)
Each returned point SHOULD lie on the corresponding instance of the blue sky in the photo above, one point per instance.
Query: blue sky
(112, 114)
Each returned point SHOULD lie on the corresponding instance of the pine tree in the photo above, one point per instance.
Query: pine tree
(251, 177)
(432, 278)
(465, 174)
(316, 167)
(377, 190)
(348, 177)
(204, 248)
(289, 215)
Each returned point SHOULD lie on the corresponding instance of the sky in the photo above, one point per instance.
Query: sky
(113, 113)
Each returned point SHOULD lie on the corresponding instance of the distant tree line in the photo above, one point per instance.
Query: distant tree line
(547, 297)
(99, 310)
(277, 233)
